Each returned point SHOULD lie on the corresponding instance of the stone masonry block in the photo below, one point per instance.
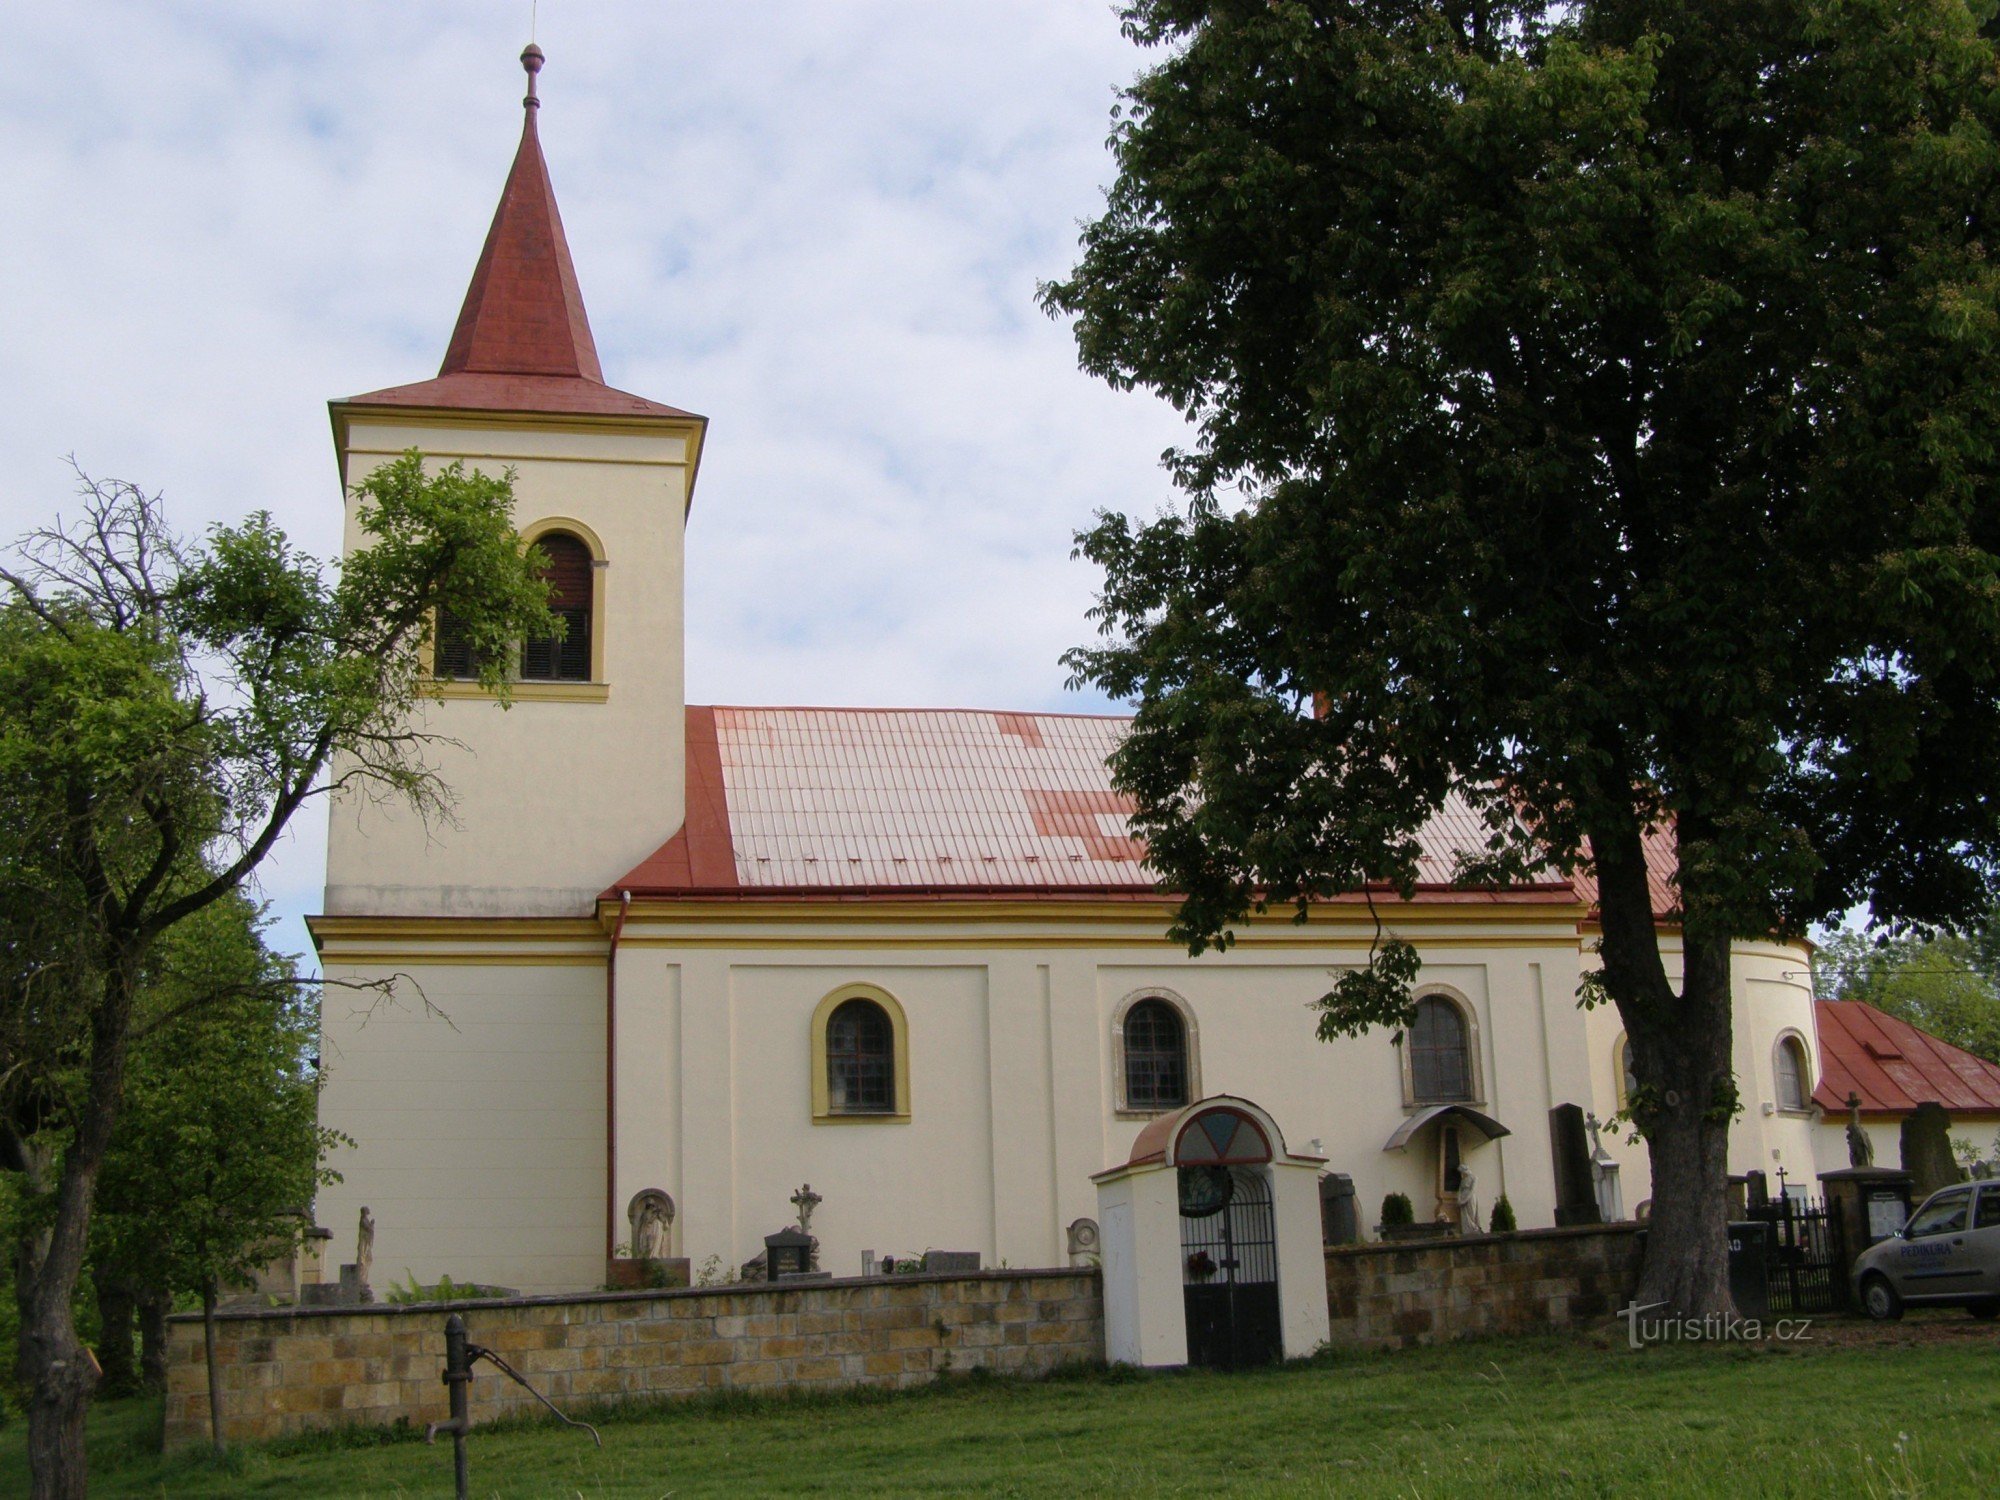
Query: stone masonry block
(879, 1319)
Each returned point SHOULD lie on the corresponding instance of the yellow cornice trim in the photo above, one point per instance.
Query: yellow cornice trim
(887, 907)
(930, 940)
(692, 429)
(324, 926)
(425, 958)
(346, 412)
(551, 458)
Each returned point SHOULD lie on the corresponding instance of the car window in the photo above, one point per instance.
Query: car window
(1989, 1209)
(1939, 1216)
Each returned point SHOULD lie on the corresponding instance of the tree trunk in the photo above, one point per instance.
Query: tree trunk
(116, 1307)
(1686, 1086)
(153, 1341)
(214, 1369)
(63, 1381)
(58, 1371)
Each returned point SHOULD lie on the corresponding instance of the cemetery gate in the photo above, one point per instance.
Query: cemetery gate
(1805, 1261)
(1229, 1257)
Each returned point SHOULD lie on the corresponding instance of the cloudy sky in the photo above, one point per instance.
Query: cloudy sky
(818, 222)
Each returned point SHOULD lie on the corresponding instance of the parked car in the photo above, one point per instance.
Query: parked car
(1947, 1255)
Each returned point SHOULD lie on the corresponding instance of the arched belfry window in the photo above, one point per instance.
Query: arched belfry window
(860, 1057)
(1440, 1053)
(570, 578)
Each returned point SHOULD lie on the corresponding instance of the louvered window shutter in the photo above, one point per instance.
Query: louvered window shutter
(571, 579)
(452, 655)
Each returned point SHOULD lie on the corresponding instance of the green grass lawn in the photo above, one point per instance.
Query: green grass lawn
(1914, 1412)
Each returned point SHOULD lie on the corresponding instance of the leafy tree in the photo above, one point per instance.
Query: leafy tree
(165, 709)
(1594, 409)
(1945, 984)
(217, 1155)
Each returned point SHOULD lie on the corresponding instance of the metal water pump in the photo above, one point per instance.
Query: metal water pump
(459, 1357)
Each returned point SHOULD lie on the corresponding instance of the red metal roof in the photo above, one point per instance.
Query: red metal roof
(1894, 1066)
(947, 800)
(522, 342)
(1662, 862)
(555, 394)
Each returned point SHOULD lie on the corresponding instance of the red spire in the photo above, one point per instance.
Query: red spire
(523, 341)
(523, 313)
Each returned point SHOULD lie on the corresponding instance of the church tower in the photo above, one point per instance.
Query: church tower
(584, 775)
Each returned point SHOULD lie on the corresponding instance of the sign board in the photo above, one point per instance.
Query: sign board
(1886, 1212)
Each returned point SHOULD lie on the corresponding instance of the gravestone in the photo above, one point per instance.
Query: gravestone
(1083, 1242)
(352, 1290)
(951, 1260)
(1338, 1223)
(1576, 1182)
(1604, 1172)
(1756, 1189)
(788, 1252)
(1927, 1150)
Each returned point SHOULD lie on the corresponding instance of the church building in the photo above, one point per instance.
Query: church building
(688, 958)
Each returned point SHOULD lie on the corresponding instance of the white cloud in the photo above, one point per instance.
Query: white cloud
(819, 224)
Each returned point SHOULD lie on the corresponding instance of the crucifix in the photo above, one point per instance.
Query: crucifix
(805, 1200)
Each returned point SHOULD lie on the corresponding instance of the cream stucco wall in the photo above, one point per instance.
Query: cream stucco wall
(554, 798)
(1012, 1106)
(1771, 989)
(475, 1098)
(1013, 1097)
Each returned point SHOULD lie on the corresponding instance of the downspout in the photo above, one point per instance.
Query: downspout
(611, 1083)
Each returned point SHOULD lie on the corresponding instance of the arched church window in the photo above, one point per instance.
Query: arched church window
(1628, 1081)
(1440, 1053)
(860, 1059)
(1792, 1071)
(570, 580)
(1156, 1056)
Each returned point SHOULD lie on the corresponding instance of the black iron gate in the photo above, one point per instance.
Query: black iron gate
(1229, 1261)
(1805, 1260)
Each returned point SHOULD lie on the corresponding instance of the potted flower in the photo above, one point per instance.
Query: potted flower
(1201, 1265)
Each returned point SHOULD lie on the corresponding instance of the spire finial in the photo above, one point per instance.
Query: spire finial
(531, 59)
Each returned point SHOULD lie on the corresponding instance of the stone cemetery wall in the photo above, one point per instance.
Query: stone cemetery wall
(296, 1370)
(1383, 1296)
